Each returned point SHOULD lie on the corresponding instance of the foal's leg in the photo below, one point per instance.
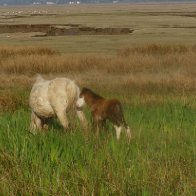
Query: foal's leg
(117, 123)
(128, 132)
(95, 122)
(96, 125)
(103, 124)
(119, 128)
(125, 126)
(118, 131)
(118, 120)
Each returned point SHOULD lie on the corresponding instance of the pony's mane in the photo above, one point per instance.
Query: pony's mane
(93, 94)
(39, 78)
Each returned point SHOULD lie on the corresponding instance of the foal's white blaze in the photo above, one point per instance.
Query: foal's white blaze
(118, 131)
(80, 102)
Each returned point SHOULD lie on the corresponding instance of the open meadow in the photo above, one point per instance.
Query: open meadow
(142, 54)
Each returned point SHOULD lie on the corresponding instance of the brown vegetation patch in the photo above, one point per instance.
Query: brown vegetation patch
(24, 28)
(56, 30)
(67, 29)
(7, 52)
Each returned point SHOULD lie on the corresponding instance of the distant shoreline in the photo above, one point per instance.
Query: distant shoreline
(102, 3)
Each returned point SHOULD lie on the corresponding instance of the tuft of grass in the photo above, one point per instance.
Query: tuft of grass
(158, 49)
(11, 100)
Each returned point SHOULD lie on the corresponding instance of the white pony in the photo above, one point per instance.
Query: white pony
(53, 98)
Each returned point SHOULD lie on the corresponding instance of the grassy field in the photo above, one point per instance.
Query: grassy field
(151, 71)
(158, 161)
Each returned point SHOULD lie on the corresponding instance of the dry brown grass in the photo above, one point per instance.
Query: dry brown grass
(148, 69)
(158, 49)
(152, 58)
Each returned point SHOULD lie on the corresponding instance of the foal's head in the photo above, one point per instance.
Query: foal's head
(87, 96)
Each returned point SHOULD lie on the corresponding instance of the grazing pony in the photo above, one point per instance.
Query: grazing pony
(104, 109)
(53, 98)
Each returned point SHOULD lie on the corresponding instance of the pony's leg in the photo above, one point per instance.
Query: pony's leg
(82, 119)
(45, 124)
(61, 115)
(36, 123)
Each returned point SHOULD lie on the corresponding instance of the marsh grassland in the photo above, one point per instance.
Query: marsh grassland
(152, 71)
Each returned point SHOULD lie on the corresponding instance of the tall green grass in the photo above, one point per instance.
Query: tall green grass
(159, 160)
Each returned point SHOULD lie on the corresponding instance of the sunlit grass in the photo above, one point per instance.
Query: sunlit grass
(158, 160)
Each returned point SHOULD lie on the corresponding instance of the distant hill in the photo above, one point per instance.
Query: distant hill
(28, 2)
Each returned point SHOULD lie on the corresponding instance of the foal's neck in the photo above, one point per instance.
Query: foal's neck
(92, 98)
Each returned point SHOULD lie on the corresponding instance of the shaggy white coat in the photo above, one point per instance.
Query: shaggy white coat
(53, 98)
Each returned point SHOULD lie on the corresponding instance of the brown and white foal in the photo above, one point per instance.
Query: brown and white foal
(104, 109)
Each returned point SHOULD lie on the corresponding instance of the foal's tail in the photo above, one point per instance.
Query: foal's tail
(120, 120)
(119, 114)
